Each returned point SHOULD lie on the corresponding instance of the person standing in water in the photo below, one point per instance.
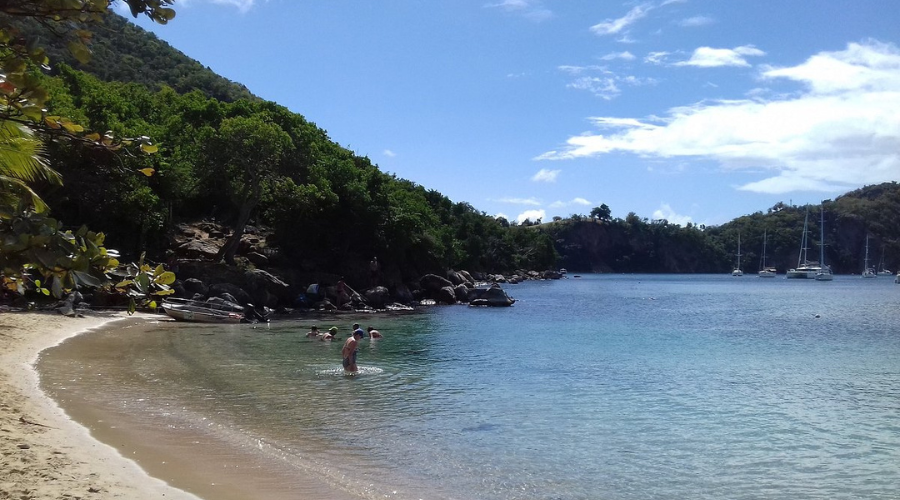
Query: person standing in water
(349, 352)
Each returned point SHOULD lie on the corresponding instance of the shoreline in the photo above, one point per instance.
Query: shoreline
(46, 454)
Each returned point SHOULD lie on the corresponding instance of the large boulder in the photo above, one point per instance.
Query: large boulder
(432, 283)
(202, 249)
(466, 276)
(494, 296)
(462, 292)
(402, 294)
(194, 286)
(266, 289)
(445, 295)
(455, 278)
(239, 294)
(377, 297)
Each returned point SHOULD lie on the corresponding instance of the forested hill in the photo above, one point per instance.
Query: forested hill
(124, 52)
(635, 244)
(228, 156)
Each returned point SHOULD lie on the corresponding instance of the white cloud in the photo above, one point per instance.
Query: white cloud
(242, 5)
(614, 26)
(501, 215)
(519, 201)
(665, 212)
(693, 22)
(601, 86)
(574, 201)
(656, 57)
(532, 215)
(840, 132)
(708, 57)
(627, 56)
(530, 9)
(546, 175)
(389, 153)
(577, 70)
(605, 85)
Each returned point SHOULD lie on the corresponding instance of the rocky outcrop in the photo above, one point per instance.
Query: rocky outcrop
(494, 296)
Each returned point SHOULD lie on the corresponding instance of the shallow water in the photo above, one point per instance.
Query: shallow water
(603, 387)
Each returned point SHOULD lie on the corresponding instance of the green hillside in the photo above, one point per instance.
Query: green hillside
(227, 156)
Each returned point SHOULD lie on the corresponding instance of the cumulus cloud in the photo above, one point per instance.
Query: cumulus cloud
(389, 153)
(546, 175)
(532, 215)
(665, 212)
(530, 9)
(841, 131)
(708, 57)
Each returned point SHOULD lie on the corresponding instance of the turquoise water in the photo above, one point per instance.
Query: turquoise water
(604, 387)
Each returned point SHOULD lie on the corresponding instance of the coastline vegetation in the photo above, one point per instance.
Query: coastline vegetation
(134, 153)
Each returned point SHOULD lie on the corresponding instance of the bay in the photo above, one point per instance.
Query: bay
(598, 387)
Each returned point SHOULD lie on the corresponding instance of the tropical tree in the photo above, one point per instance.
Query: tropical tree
(245, 154)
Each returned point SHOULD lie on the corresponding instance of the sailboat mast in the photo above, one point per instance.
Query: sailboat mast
(801, 259)
(822, 240)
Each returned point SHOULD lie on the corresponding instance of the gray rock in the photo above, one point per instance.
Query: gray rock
(377, 297)
(446, 295)
(462, 292)
(237, 293)
(431, 283)
(193, 286)
(205, 249)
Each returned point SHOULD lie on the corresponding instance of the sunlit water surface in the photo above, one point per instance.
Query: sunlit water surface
(599, 387)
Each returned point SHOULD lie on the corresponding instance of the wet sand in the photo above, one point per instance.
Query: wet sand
(51, 453)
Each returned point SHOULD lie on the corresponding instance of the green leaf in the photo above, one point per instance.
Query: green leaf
(80, 51)
(166, 278)
(149, 148)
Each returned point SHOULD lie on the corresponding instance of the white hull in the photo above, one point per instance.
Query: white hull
(767, 273)
(737, 272)
(803, 273)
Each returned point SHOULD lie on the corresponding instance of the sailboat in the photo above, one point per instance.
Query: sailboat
(765, 271)
(868, 272)
(824, 274)
(805, 269)
(882, 271)
(737, 269)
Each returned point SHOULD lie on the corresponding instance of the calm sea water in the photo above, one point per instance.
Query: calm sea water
(603, 387)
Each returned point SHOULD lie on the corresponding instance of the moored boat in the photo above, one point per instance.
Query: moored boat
(824, 274)
(737, 268)
(806, 269)
(868, 272)
(765, 270)
(203, 312)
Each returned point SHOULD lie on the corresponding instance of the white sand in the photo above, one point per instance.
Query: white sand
(43, 453)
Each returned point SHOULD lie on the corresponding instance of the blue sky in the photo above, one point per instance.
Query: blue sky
(689, 110)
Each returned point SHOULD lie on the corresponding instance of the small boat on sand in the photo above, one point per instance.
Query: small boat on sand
(203, 312)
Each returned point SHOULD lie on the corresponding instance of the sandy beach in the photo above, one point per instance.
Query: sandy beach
(46, 455)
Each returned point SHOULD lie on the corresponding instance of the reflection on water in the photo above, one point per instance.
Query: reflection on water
(612, 387)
